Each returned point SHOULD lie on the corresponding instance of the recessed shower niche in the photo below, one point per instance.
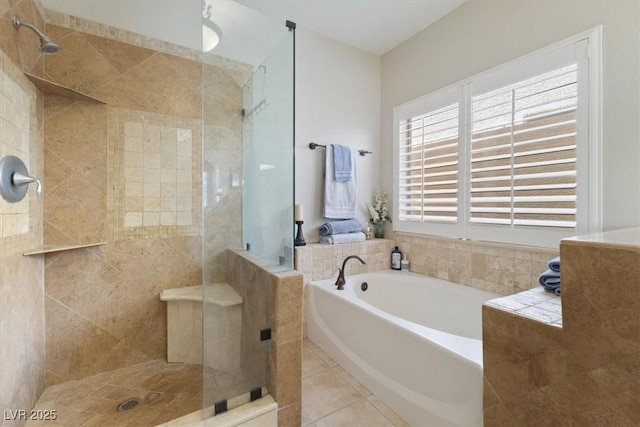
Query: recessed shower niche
(58, 97)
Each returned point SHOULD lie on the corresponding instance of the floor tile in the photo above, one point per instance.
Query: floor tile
(167, 391)
(359, 413)
(326, 392)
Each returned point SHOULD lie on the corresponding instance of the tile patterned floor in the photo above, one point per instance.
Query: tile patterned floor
(167, 390)
(331, 397)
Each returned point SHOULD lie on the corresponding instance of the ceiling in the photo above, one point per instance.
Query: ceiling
(375, 26)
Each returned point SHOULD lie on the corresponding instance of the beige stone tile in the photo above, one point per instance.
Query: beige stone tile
(621, 381)
(122, 56)
(547, 406)
(352, 381)
(321, 354)
(286, 372)
(498, 415)
(81, 340)
(79, 65)
(290, 415)
(360, 412)
(515, 364)
(326, 392)
(395, 419)
(56, 171)
(305, 419)
(490, 398)
(311, 362)
(153, 86)
(288, 313)
(66, 206)
(191, 70)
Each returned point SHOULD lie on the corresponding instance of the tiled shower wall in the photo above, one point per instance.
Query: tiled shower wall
(21, 278)
(125, 170)
(256, 278)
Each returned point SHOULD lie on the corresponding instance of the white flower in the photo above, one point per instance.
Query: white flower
(379, 210)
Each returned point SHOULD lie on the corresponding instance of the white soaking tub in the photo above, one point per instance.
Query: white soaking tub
(414, 341)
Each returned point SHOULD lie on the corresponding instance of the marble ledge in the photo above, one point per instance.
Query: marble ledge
(59, 248)
(536, 304)
(49, 87)
(628, 238)
(326, 245)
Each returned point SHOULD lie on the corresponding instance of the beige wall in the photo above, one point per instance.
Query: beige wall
(22, 350)
(337, 102)
(482, 34)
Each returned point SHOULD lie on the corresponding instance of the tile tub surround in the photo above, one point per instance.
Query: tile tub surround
(284, 380)
(586, 371)
(22, 352)
(498, 268)
(536, 303)
(494, 267)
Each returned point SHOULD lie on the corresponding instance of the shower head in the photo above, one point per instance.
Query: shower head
(47, 46)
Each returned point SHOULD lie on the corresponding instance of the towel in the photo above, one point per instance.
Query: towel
(550, 281)
(554, 264)
(339, 197)
(337, 239)
(352, 225)
(342, 166)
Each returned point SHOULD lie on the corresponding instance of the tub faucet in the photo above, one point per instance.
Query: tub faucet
(340, 280)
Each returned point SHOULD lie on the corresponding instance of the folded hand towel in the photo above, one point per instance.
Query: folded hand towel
(336, 239)
(352, 225)
(340, 199)
(342, 163)
(549, 280)
(554, 264)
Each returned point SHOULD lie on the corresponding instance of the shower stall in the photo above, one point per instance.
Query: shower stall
(161, 166)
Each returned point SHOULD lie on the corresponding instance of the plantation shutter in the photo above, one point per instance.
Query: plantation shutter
(428, 166)
(523, 152)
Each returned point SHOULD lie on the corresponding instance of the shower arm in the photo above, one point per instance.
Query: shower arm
(17, 23)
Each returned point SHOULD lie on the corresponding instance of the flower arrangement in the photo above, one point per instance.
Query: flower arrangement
(379, 209)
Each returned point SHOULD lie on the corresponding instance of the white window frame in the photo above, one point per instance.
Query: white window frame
(587, 48)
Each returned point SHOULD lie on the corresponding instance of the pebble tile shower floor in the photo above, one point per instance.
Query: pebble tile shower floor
(167, 391)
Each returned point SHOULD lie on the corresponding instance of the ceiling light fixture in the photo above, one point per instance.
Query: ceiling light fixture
(211, 33)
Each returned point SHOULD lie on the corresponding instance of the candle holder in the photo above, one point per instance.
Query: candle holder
(299, 241)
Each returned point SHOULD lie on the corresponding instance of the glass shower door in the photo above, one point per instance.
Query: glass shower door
(247, 203)
(268, 160)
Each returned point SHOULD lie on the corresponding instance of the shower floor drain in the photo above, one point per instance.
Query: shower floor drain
(129, 404)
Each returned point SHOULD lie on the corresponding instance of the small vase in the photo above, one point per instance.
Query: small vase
(378, 230)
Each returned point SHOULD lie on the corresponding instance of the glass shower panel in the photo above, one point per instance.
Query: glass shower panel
(247, 152)
(267, 213)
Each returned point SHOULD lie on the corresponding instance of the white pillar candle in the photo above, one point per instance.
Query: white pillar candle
(298, 213)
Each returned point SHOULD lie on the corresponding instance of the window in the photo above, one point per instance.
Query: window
(511, 155)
